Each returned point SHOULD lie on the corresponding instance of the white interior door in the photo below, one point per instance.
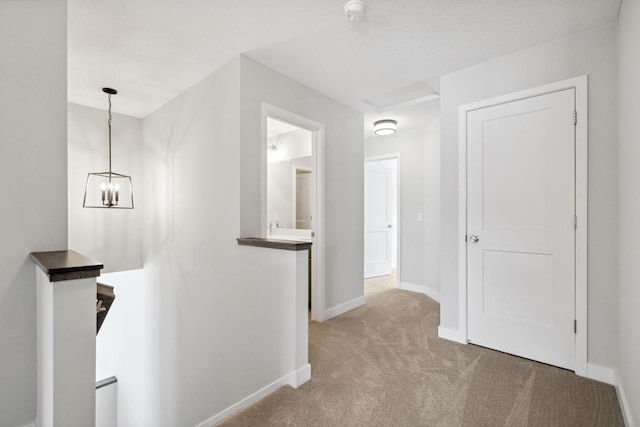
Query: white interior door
(377, 219)
(303, 200)
(520, 227)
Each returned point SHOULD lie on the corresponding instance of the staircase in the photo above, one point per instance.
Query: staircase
(107, 389)
(104, 299)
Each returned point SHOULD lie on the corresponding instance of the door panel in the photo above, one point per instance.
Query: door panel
(377, 248)
(520, 204)
(523, 160)
(517, 286)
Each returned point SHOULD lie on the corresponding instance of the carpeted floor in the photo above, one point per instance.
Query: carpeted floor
(383, 365)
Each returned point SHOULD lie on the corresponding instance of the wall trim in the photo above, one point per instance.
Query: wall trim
(343, 308)
(422, 289)
(452, 335)
(580, 84)
(622, 399)
(289, 379)
(601, 373)
(302, 375)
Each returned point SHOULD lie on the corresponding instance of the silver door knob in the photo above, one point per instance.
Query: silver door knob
(389, 226)
(474, 238)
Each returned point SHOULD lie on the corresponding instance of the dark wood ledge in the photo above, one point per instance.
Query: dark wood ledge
(66, 265)
(287, 245)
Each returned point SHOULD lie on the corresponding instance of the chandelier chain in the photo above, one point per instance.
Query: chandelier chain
(108, 189)
(109, 123)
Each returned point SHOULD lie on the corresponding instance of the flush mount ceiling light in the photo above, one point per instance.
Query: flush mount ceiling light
(354, 10)
(108, 189)
(385, 127)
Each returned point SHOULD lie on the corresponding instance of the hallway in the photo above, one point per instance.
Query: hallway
(383, 365)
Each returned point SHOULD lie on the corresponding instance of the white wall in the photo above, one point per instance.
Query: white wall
(206, 322)
(594, 53)
(33, 171)
(432, 226)
(107, 406)
(343, 180)
(204, 341)
(419, 193)
(111, 236)
(125, 346)
(291, 145)
(629, 207)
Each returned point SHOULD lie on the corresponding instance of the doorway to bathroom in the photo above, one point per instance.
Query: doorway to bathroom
(293, 203)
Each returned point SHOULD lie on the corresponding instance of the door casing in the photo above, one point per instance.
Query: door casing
(398, 230)
(317, 149)
(581, 179)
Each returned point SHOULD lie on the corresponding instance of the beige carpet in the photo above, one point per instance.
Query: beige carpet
(383, 365)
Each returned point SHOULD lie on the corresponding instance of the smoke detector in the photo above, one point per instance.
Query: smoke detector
(354, 9)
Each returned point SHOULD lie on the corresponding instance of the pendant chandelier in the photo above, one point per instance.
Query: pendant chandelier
(108, 189)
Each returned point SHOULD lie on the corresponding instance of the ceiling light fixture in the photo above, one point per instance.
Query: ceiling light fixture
(385, 127)
(108, 189)
(354, 10)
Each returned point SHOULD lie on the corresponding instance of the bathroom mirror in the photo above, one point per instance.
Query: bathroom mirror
(289, 178)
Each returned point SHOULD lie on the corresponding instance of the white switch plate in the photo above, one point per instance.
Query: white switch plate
(419, 216)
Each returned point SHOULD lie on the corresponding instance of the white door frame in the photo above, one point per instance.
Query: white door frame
(395, 156)
(317, 152)
(581, 102)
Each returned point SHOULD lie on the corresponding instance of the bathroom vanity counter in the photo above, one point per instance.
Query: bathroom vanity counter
(289, 245)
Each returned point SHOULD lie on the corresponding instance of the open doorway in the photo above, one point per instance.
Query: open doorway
(293, 205)
(289, 180)
(382, 233)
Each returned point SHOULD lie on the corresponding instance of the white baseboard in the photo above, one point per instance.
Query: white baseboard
(601, 373)
(451, 335)
(289, 379)
(343, 308)
(33, 424)
(612, 377)
(624, 402)
(420, 289)
(302, 375)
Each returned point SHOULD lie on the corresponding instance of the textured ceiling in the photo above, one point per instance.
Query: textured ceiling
(151, 50)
